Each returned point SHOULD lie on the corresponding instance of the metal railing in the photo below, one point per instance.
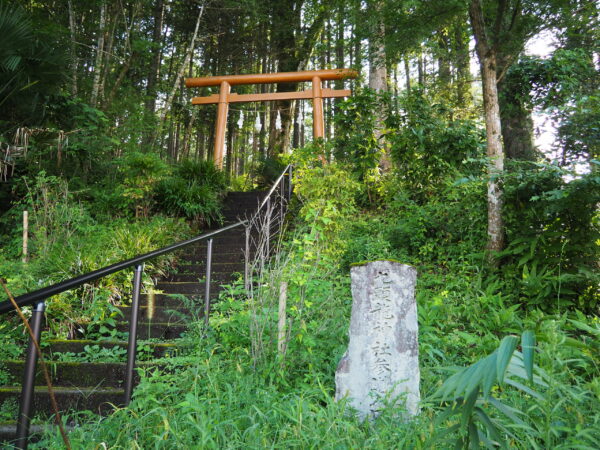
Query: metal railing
(279, 194)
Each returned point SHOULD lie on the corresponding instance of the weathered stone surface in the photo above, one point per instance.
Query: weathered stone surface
(382, 359)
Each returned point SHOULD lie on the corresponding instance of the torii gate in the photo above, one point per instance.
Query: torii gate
(224, 97)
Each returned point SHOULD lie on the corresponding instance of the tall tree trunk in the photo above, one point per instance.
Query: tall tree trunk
(462, 62)
(159, 12)
(74, 58)
(517, 124)
(99, 55)
(378, 79)
(407, 72)
(420, 69)
(487, 63)
(339, 62)
(292, 55)
(444, 73)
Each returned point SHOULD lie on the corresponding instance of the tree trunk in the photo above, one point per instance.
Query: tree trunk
(517, 124)
(159, 12)
(99, 55)
(74, 59)
(462, 62)
(407, 72)
(487, 63)
(378, 80)
(292, 55)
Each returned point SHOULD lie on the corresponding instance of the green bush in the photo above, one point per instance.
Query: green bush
(553, 234)
(193, 190)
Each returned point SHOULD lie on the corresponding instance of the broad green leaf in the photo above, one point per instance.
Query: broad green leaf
(528, 347)
(511, 413)
(489, 377)
(505, 352)
(468, 405)
(473, 436)
(490, 427)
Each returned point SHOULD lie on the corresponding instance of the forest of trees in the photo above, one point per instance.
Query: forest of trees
(107, 77)
(434, 160)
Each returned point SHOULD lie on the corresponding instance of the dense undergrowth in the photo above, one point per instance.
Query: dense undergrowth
(140, 205)
(235, 390)
(508, 354)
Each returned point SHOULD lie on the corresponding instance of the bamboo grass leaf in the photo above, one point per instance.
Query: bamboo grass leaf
(528, 346)
(468, 406)
(490, 375)
(490, 426)
(473, 436)
(505, 352)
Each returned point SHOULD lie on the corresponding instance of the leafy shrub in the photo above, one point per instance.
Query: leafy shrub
(553, 236)
(429, 145)
(192, 191)
(141, 173)
(266, 171)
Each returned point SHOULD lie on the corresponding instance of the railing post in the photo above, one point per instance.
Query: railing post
(247, 260)
(27, 388)
(268, 229)
(290, 173)
(209, 245)
(281, 205)
(133, 324)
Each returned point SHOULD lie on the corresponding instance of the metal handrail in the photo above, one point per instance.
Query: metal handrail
(39, 296)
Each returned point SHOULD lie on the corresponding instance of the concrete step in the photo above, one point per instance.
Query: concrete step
(80, 374)
(199, 257)
(186, 287)
(216, 277)
(176, 301)
(8, 432)
(159, 314)
(77, 346)
(97, 400)
(200, 268)
(155, 330)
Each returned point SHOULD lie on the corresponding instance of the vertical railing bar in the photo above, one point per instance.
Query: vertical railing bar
(133, 326)
(290, 173)
(268, 229)
(247, 260)
(281, 195)
(27, 388)
(209, 245)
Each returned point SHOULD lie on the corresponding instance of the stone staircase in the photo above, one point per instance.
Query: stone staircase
(163, 317)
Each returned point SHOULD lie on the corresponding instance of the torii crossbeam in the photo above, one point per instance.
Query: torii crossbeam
(224, 97)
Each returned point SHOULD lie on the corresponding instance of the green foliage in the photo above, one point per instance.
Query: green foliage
(566, 87)
(327, 195)
(65, 241)
(31, 68)
(553, 234)
(266, 171)
(141, 174)
(192, 191)
(429, 145)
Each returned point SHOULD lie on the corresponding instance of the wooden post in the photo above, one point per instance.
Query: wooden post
(318, 120)
(281, 326)
(221, 126)
(24, 257)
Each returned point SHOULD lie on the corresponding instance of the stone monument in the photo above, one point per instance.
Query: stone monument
(382, 360)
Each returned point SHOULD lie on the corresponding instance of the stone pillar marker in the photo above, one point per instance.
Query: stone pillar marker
(382, 360)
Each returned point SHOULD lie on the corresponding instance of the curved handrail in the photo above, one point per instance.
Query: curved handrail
(32, 297)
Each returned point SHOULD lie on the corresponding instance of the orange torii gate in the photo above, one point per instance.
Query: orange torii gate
(224, 97)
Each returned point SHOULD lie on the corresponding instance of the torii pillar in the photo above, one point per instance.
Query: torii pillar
(224, 97)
